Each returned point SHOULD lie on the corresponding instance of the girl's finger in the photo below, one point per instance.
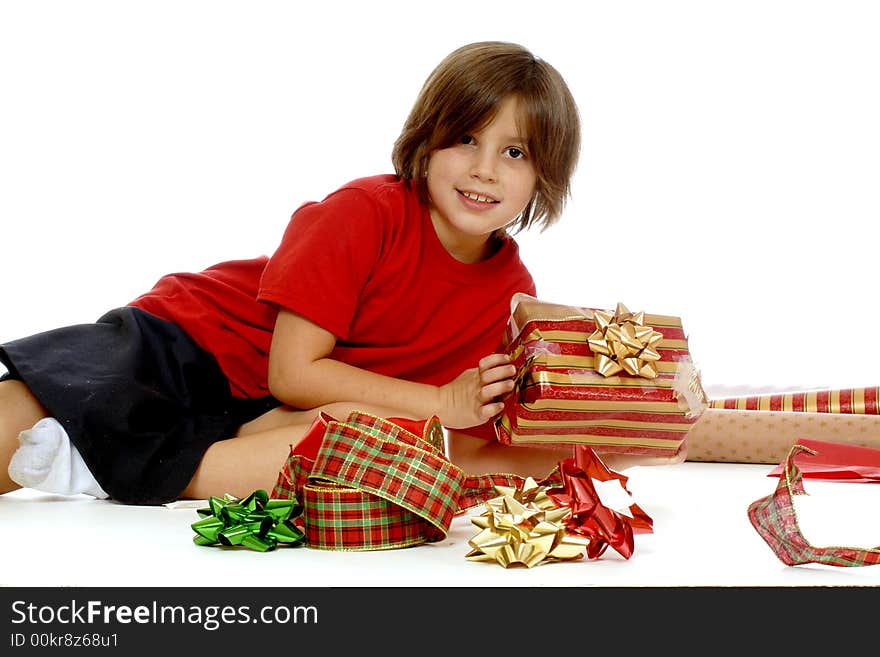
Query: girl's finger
(498, 373)
(495, 390)
(488, 411)
(493, 360)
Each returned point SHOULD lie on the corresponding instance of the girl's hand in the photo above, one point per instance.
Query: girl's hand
(477, 394)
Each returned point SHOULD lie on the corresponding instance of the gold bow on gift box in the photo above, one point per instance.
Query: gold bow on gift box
(622, 342)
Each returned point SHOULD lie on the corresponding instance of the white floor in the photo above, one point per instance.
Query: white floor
(702, 537)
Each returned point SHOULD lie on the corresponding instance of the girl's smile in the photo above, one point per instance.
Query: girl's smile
(476, 201)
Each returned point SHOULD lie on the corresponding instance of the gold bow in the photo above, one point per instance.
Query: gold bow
(621, 341)
(522, 526)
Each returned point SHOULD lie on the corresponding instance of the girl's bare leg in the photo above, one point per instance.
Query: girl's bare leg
(19, 410)
(242, 464)
(254, 457)
(477, 456)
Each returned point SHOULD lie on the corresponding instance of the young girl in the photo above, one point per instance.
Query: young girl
(389, 296)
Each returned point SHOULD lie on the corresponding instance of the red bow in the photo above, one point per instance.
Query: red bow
(589, 516)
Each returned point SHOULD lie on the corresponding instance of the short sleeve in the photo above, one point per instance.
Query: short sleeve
(325, 257)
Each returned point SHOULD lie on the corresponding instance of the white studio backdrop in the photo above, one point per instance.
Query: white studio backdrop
(729, 169)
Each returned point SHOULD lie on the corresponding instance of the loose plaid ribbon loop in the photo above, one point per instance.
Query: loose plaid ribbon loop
(375, 486)
(775, 519)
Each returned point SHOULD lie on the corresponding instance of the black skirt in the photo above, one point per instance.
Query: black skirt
(140, 400)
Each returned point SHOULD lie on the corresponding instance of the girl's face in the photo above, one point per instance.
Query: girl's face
(480, 184)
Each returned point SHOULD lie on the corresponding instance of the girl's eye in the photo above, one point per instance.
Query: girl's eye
(515, 153)
(467, 139)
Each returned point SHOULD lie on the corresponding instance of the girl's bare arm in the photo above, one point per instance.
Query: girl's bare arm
(303, 376)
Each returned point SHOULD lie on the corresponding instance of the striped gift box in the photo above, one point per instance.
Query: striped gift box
(762, 428)
(562, 398)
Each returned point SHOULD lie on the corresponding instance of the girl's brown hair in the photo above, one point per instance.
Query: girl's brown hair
(463, 94)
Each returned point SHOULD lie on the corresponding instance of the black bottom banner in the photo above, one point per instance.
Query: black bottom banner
(390, 621)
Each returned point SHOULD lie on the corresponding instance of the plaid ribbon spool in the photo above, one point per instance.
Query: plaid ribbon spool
(775, 519)
(377, 486)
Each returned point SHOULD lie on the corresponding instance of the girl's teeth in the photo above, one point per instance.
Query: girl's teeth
(477, 197)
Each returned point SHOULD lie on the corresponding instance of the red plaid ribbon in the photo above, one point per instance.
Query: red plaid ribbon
(775, 519)
(374, 485)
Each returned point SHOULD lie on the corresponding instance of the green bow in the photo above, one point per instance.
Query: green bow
(256, 522)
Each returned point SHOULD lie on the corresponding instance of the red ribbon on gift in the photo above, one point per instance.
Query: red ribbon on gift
(589, 516)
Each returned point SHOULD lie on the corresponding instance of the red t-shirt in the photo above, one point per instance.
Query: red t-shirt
(365, 264)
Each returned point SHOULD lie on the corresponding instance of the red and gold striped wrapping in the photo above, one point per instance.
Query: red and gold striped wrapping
(561, 398)
(845, 400)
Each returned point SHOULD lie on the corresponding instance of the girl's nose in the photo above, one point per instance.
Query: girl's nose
(484, 166)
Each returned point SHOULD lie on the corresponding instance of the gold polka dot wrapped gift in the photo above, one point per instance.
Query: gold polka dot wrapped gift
(763, 428)
(615, 380)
